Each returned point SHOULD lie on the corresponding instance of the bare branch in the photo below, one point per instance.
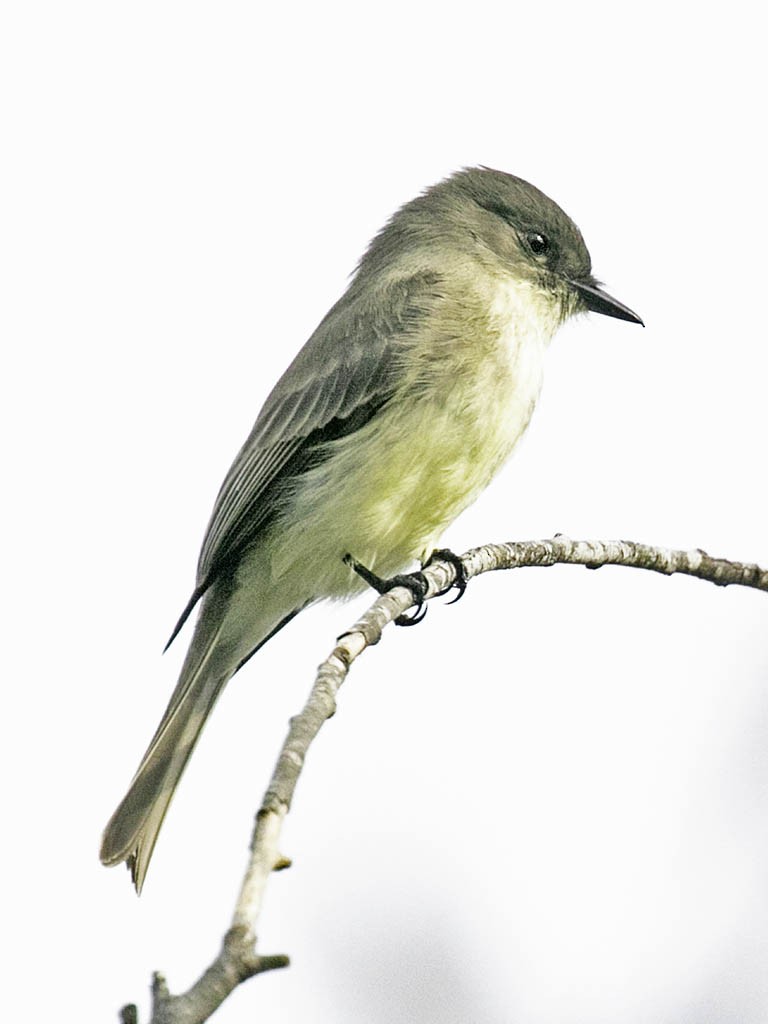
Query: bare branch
(238, 959)
(594, 554)
(236, 962)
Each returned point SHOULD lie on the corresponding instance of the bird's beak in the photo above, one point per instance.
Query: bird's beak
(598, 301)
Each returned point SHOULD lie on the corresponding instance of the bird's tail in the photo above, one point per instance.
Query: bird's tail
(132, 830)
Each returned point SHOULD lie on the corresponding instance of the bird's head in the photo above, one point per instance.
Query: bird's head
(511, 227)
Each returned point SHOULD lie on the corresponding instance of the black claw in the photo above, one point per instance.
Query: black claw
(461, 581)
(415, 582)
(419, 614)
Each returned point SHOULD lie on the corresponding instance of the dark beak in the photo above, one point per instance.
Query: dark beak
(598, 301)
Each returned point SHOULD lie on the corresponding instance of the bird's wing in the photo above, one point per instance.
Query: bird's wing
(347, 370)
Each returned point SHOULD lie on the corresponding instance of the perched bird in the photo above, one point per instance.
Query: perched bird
(394, 416)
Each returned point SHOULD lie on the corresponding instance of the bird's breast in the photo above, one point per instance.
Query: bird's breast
(388, 491)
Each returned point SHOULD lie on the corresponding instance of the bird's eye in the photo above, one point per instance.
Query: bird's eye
(538, 243)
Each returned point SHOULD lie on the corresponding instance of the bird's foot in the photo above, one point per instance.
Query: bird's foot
(460, 583)
(413, 581)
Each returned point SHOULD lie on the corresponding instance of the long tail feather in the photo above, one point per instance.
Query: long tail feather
(227, 633)
(132, 830)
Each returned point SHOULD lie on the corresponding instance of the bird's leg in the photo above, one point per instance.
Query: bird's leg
(413, 581)
(461, 574)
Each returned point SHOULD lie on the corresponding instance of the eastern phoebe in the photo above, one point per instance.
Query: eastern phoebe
(391, 420)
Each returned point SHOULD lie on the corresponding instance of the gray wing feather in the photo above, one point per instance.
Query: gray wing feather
(346, 371)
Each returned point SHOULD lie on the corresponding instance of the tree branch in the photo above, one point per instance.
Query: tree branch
(238, 959)
(594, 554)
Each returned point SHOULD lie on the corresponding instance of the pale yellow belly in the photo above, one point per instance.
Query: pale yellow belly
(386, 493)
(389, 491)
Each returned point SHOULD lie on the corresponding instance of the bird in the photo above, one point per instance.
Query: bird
(398, 411)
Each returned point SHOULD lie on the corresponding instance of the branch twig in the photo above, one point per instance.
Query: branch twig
(238, 959)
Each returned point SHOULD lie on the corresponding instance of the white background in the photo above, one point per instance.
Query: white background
(548, 804)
